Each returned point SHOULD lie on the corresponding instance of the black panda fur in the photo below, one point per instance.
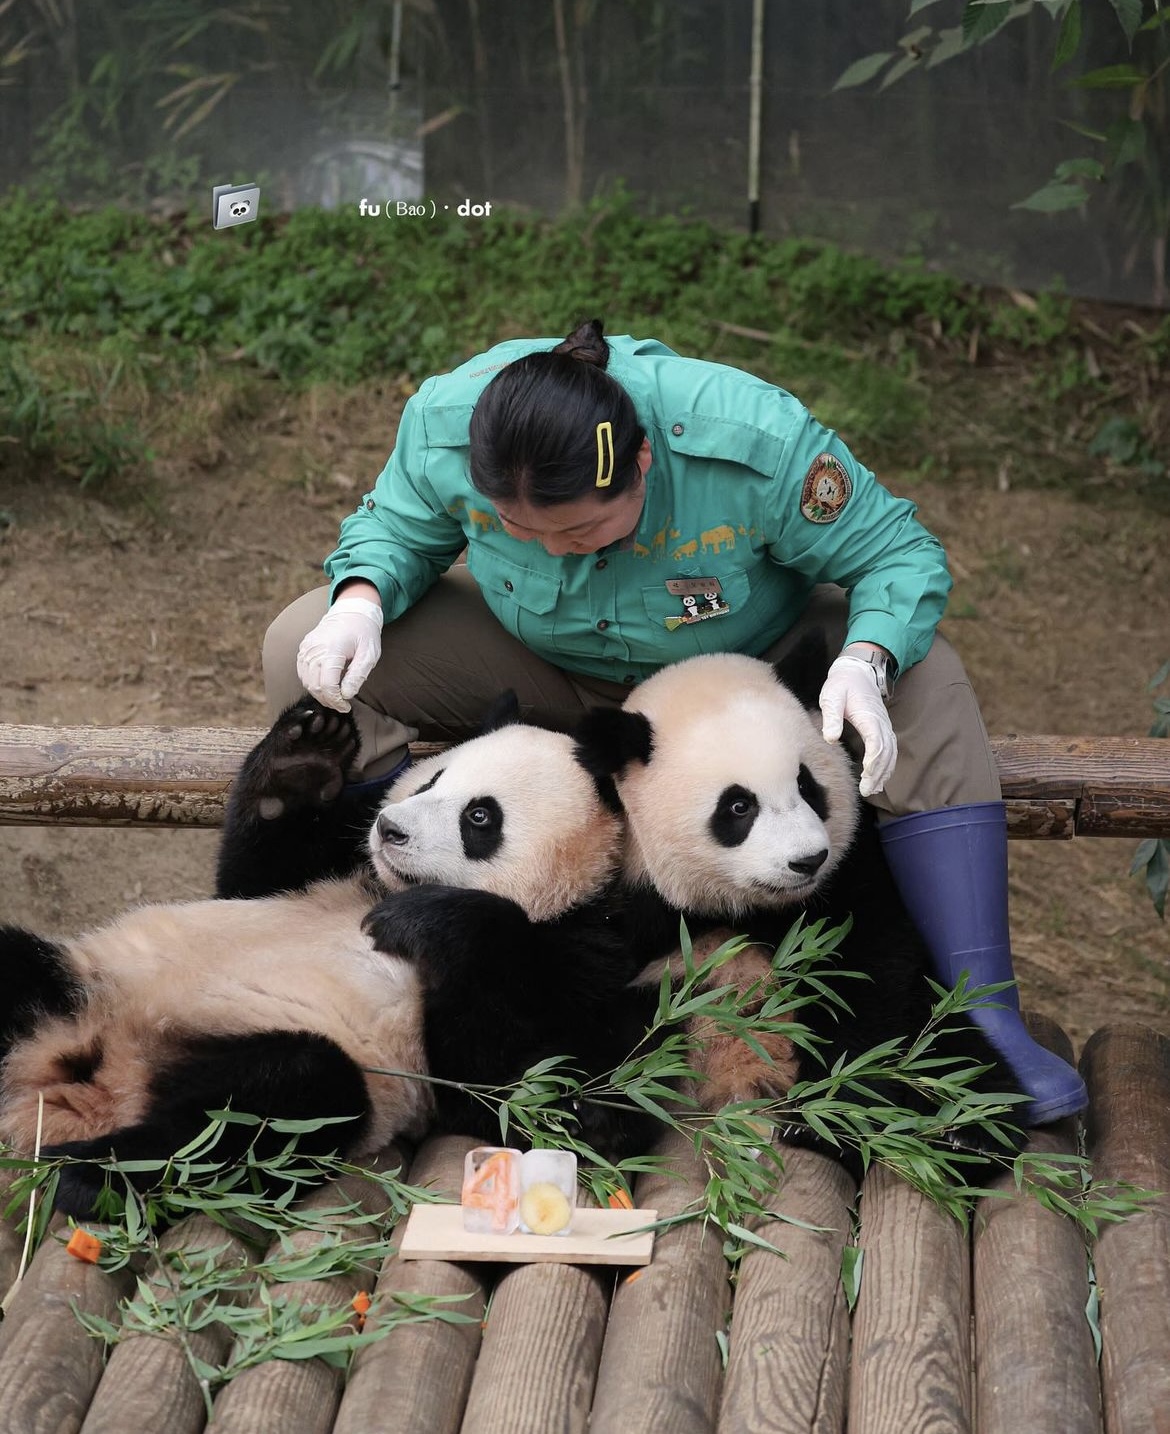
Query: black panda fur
(692, 746)
(277, 997)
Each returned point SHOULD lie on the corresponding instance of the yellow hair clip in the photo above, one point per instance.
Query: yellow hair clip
(604, 455)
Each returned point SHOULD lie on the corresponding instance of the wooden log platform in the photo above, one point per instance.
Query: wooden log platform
(954, 1330)
(1055, 787)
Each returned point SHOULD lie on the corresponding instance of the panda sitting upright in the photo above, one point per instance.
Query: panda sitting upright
(740, 814)
(313, 967)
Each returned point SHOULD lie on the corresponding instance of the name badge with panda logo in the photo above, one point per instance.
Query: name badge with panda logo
(701, 598)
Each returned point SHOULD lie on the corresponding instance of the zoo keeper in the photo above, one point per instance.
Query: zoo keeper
(621, 508)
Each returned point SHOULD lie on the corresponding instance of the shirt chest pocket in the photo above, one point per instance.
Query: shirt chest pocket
(721, 632)
(523, 599)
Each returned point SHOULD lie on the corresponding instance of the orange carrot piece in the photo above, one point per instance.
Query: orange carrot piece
(84, 1246)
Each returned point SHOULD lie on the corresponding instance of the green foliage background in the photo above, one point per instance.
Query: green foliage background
(99, 308)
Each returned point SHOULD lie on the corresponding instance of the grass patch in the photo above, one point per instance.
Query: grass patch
(903, 361)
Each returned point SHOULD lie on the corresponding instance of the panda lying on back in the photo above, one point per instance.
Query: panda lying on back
(276, 997)
(740, 813)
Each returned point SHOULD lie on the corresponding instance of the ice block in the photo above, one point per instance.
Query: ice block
(491, 1190)
(548, 1191)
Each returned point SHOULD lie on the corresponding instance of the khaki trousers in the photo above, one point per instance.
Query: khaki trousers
(445, 661)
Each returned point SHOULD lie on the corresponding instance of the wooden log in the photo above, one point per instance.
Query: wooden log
(149, 1384)
(415, 1379)
(1120, 786)
(660, 1368)
(176, 776)
(911, 1366)
(302, 1396)
(49, 1365)
(1035, 1365)
(1127, 1069)
(541, 1348)
(789, 1352)
(118, 776)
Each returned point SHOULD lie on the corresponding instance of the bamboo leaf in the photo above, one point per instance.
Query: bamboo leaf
(900, 69)
(852, 1258)
(1129, 16)
(1069, 37)
(1111, 77)
(983, 18)
(860, 72)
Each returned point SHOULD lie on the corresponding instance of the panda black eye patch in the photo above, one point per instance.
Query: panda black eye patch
(734, 815)
(812, 792)
(481, 828)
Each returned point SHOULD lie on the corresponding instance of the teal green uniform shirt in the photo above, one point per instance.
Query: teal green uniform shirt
(745, 487)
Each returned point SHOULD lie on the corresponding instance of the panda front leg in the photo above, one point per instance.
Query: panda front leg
(728, 1067)
(460, 938)
(295, 1075)
(37, 980)
(290, 818)
(502, 992)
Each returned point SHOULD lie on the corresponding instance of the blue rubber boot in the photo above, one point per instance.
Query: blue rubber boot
(950, 867)
(376, 785)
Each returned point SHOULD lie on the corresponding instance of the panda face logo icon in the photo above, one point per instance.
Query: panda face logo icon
(234, 204)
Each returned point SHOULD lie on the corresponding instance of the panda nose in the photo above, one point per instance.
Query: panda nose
(810, 865)
(389, 832)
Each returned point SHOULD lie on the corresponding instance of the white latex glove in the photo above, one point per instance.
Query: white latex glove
(851, 694)
(348, 640)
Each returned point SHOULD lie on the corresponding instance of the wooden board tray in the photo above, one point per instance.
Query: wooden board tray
(598, 1237)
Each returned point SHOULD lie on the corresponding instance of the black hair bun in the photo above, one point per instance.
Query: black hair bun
(586, 344)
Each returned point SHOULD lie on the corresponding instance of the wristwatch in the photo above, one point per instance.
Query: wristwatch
(885, 669)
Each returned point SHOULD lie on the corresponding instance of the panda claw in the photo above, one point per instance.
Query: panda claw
(305, 759)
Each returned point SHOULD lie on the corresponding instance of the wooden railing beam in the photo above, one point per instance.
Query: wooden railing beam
(1055, 787)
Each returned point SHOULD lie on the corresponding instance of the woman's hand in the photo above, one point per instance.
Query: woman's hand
(851, 694)
(342, 650)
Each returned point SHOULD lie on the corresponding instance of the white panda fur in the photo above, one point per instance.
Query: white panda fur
(300, 961)
(564, 844)
(685, 742)
(719, 719)
(106, 1010)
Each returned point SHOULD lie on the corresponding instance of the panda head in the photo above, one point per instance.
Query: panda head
(512, 811)
(733, 798)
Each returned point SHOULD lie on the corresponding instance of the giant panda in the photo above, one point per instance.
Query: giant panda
(476, 939)
(740, 814)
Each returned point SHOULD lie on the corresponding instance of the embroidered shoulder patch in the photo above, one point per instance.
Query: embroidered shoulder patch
(827, 488)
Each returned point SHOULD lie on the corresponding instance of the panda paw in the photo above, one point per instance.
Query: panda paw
(973, 1141)
(303, 761)
(729, 1069)
(440, 923)
(79, 1185)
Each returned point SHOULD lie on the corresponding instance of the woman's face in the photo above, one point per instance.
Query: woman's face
(582, 525)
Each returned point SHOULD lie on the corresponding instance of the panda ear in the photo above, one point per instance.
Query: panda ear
(502, 713)
(608, 739)
(803, 670)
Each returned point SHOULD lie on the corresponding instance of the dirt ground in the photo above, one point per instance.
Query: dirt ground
(148, 607)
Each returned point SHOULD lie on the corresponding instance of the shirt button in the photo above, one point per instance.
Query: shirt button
(508, 585)
(677, 430)
(601, 562)
(370, 504)
(602, 625)
(629, 681)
